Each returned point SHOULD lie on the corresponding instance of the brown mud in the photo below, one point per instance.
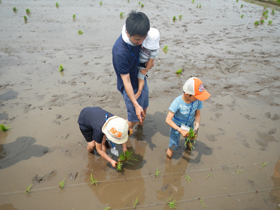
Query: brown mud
(238, 140)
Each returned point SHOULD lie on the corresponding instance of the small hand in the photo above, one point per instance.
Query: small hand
(114, 163)
(144, 71)
(184, 133)
(195, 126)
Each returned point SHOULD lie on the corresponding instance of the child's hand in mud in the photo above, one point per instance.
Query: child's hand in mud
(114, 163)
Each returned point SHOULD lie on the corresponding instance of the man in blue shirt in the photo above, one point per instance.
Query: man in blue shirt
(125, 60)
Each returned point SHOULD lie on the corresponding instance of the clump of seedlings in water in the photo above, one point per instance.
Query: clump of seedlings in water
(28, 189)
(121, 14)
(262, 21)
(57, 5)
(93, 180)
(74, 16)
(265, 13)
(193, 1)
(142, 5)
(27, 11)
(174, 18)
(236, 1)
(180, 17)
(139, 3)
(257, 23)
(80, 32)
(179, 71)
(269, 22)
(4, 128)
(157, 172)
(165, 49)
(190, 140)
(239, 171)
(264, 164)
(15, 9)
(242, 16)
(61, 184)
(210, 174)
(61, 68)
(188, 178)
(266, 17)
(126, 157)
(135, 203)
(241, 6)
(199, 6)
(171, 204)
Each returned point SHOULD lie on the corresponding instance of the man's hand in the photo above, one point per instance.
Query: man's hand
(139, 112)
(114, 163)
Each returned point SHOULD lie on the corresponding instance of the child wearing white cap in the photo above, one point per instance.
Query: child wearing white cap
(98, 125)
(148, 52)
(184, 112)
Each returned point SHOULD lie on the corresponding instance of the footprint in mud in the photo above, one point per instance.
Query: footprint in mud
(38, 180)
(28, 107)
(275, 117)
(248, 117)
(265, 138)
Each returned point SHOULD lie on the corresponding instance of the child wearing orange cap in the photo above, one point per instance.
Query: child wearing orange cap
(184, 112)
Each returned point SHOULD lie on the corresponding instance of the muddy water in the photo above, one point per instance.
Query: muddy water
(238, 63)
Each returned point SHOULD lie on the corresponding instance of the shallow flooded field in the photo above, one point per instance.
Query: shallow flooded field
(236, 160)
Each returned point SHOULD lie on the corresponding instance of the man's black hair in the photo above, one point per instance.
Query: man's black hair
(137, 23)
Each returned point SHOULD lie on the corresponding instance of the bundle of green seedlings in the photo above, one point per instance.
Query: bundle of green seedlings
(80, 32)
(142, 5)
(190, 140)
(4, 128)
(126, 157)
(171, 204)
(269, 22)
(121, 14)
(179, 71)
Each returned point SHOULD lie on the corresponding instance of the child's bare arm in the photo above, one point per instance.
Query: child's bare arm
(170, 122)
(149, 64)
(196, 120)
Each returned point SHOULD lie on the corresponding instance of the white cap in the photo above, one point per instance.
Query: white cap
(116, 129)
(152, 40)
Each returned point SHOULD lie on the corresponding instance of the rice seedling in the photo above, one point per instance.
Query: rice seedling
(100, 3)
(119, 166)
(236, 1)
(57, 5)
(265, 13)
(135, 203)
(80, 32)
(262, 21)
(264, 164)
(269, 22)
(242, 16)
(241, 6)
(139, 3)
(188, 178)
(61, 68)
(202, 203)
(224, 188)
(174, 18)
(165, 49)
(15, 9)
(200, 6)
(179, 71)
(257, 23)
(190, 140)
(93, 180)
(61, 184)
(28, 189)
(266, 17)
(193, 1)
(121, 14)
(238, 171)
(210, 174)
(27, 11)
(74, 16)
(126, 157)
(107, 208)
(180, 17)
(157, 172)
(273, 12)
(171, 204)
(142, 5)
(4, 128)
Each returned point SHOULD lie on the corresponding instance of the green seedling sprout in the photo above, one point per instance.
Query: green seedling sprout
(266, 17)
(56, 4)
(80, 32)
(200, 6)
(262, 21)
(107, 208)
(197, 6)
(121, 14)
(202, 203)
(242, 16)
(238, 171)
(224, 188)
(126, 157)
(179, 71)
(93, 180)
(165, 49)
(174, 18)
(193, 1)
(61, 184)
(61, 68)
(171, 204)
(28, 189)
(135, 203)
(27, 11)
(100, 3)
(269, 22)
(4, 128)
(236, 1)
(15, 9)
(189, 138)
(157, 172)
(273, 12)
(139, 3)
(257, 23)
(119, 166)
(241, 6)
(180, 17)
(250, 177)
(188, 178)
(264, 164)
(210, 174)
(74, 16)
(142, 5)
